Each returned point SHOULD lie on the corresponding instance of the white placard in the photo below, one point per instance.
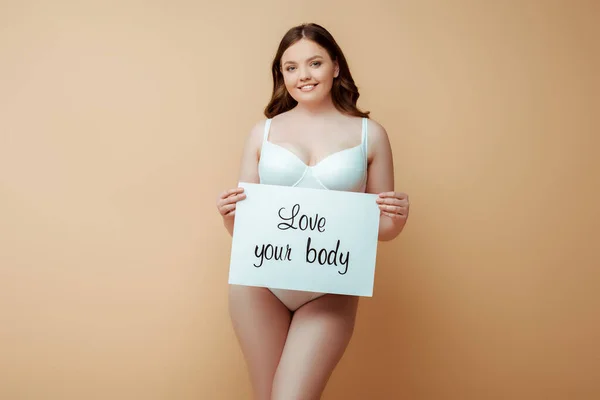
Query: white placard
(305, 239)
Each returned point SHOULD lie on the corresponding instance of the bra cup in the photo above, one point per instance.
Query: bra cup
(342, 171)
(345, 170)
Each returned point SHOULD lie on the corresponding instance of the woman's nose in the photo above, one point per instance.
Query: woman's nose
(304, 74)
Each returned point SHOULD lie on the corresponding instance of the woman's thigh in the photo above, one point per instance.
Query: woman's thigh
(261, 324)
(318, 336)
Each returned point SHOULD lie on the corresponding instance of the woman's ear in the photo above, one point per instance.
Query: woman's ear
(336, 70)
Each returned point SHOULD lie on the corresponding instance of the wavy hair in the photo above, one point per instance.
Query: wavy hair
(344, 92)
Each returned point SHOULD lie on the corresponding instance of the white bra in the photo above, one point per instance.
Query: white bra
(344, 170)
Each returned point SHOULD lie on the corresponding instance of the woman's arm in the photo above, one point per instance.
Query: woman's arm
(248, 169)
(394, 206)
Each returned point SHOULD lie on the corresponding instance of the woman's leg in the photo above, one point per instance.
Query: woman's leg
(261, 323)
(318, 336)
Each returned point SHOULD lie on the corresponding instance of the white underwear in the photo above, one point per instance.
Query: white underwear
(294, 299)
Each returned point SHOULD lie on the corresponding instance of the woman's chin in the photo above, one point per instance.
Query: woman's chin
(309, 98)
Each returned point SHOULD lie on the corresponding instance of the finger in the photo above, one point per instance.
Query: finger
(394, 215)
(230, 192)
(398, 195)
(229, 214)
(236, 198)
(390, 209)
(401, 211)
(227, 208)
(233, 199)
(390, 201)
(391, 215)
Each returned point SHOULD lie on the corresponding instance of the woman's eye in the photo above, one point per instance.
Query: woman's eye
(316, 63)
(289, 69)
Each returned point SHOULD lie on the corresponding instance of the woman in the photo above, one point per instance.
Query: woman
(314, 136)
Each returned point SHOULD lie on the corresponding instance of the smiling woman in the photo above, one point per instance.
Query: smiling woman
(314, 137)
(309, 57)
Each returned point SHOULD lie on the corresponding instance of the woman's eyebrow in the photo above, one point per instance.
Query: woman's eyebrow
(310, 59)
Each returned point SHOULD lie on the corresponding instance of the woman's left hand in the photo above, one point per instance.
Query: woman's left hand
(394, 205)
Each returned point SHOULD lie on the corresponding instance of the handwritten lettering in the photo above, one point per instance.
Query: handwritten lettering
(303, 223)
(330, 258)
(269, 252)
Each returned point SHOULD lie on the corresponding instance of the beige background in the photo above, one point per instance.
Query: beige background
(120, 122)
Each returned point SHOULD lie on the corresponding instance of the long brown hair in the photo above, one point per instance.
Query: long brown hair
(344, 92)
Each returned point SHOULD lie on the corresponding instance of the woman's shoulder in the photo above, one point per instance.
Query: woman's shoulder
(376, 132)
(258, 129)
(255, 136)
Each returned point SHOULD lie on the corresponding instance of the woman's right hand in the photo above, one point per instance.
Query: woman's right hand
(227, 201)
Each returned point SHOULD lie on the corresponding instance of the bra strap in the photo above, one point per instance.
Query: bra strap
(267, 128)
(365, 138)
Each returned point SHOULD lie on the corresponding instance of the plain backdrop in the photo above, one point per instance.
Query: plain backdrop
(121, 122)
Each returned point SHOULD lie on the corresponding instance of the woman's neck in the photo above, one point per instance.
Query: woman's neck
(325, 108)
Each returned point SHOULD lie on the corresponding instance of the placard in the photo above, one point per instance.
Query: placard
(305, 239)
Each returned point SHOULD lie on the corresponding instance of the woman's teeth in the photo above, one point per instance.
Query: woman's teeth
(307, 88)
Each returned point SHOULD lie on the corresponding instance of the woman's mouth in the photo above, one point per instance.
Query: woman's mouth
(308, 88)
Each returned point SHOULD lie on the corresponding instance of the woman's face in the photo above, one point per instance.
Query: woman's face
(308, 72)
